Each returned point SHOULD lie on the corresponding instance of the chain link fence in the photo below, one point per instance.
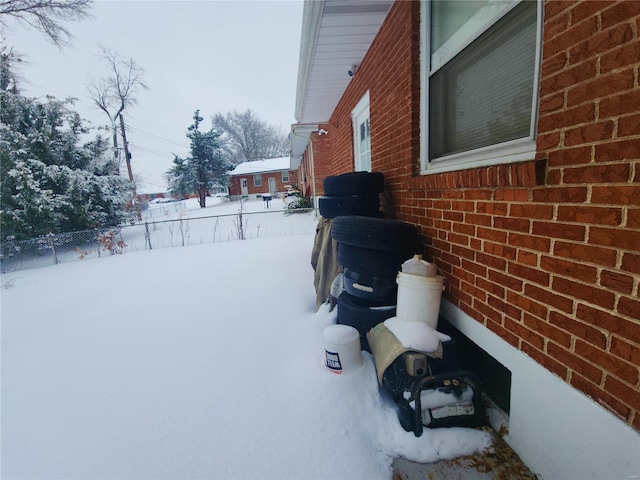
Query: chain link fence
(151, 234)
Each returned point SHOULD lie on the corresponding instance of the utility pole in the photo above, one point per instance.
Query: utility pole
(116, 152)
(127, 157)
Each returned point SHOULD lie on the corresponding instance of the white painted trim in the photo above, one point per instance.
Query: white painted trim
(359, 113)
(559, 432)
(510, 152)
(475, 26)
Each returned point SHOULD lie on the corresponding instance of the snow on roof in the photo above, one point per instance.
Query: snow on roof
(257, 166)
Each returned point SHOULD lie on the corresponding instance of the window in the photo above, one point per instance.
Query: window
(285, 177)
(257, 180)
(362, 135)
(479, 82)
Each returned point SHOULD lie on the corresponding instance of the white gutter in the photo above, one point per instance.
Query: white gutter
(298, 141)
(311, 18)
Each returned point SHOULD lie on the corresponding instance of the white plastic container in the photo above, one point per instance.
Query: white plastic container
(342, 349)
(417, 266)
(419, 298)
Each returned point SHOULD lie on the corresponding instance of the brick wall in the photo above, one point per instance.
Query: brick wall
(545, 253)
(589, 131)
(320, 145)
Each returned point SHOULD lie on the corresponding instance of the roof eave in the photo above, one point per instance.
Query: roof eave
(298, 141)
(311, 18)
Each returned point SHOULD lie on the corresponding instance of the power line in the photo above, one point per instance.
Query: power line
(156, 136)
(137, 147)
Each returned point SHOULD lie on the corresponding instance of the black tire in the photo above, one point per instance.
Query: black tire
(362, 318)
(365, 205)
(372, 262)
(374, 233)
(370, 290)
(354, 183)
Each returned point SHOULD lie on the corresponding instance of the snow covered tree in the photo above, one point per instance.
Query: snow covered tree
(204, 169)
(51, 181)
(244, 137)
(45, 15)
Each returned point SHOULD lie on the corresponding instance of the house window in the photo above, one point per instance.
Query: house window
(257, 180)
(480, 69)
(285, 177)
(362, 135)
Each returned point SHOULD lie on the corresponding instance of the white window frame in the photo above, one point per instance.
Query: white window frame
(508, 152)
(258, 177)
(285, 177)
(358, 114)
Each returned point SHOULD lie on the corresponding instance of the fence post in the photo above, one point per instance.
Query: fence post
(51, 237)
(240, 224)
(147, 236)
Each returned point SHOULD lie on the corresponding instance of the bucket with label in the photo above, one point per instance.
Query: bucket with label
(342, 349)
(419, 298)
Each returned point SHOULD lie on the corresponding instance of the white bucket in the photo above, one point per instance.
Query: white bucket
(342, 349)
(419, 298)
(417, 266)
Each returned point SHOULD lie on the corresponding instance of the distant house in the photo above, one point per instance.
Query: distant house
(260, 177)
(508, 134)
(145, 196)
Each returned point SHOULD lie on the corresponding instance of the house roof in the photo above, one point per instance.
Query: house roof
(259, 166)
(336, 35)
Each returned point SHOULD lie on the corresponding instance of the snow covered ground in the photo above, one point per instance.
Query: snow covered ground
(196, 362)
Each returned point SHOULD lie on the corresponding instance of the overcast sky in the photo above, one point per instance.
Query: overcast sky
(215, 56)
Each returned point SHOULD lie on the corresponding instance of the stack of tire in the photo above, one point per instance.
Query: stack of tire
(355, 193)
(371, 252)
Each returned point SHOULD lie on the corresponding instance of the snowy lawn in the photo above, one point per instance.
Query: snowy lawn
(197, 362)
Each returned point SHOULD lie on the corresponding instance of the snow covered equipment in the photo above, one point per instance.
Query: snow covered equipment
(445, 400)
(424, 376)
(388, 351)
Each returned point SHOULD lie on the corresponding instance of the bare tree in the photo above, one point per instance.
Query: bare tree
(46, 15)
(113, 93)
(245, 137)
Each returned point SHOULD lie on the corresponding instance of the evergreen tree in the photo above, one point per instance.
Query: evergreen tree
(51, 181)
(204, 169)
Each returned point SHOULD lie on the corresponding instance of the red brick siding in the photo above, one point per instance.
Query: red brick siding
(545, 253)
(320, 145)
(305, 175)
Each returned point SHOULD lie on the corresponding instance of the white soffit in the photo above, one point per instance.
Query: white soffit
(298, 140)
(336, 34)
